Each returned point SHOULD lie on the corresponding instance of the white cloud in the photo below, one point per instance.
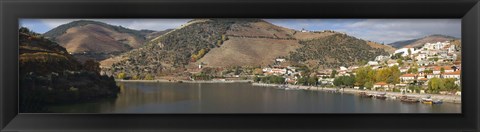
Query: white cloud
(390, 30)
(379, 30)
(52, 23)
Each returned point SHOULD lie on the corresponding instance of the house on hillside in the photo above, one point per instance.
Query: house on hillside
(280, 60)
(372, 63)
(403, 69)
(404, 51)
(456, 75)
(379, 85)
(382, 58)
(430, 76)
(407, 78)
(438, 69)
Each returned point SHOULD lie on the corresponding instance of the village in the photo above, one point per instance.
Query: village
(431, 69)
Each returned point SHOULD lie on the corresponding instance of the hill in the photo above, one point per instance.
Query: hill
(419, 42)
(156, 34)
(87, 39)
(222, 43)
(49, 75)
(335, 51)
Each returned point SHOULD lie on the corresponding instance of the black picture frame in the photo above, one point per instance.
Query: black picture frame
(12, 10)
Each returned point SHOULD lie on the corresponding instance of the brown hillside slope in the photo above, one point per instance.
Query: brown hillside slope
(387, 48)
(248, 52)
(224, 43)
(419, 42)
(95, 38)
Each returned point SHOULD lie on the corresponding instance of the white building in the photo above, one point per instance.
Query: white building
(404, 51)
(382, 58)
(421, 57)
(280, 60)
(372, 63)
(407, 78)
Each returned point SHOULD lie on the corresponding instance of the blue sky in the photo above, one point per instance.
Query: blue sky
(379, 30)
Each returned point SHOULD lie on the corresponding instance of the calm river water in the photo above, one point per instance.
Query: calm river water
(241, 98)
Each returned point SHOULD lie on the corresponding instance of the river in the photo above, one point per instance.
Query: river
(141, 97)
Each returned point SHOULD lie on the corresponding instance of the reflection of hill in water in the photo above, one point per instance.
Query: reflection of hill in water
(137, 94)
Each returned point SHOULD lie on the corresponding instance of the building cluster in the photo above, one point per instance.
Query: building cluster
(417, 66)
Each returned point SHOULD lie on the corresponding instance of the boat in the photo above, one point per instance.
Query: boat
(427, 101)
(407, 99)
(437, 102)
(381, 96)
(292, 89)
(370, 95)
(282, 86)
(363, 94)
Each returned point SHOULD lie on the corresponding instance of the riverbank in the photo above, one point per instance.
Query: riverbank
(391, 95)
(186, 81)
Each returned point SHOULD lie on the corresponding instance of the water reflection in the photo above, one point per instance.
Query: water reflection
(240, 98)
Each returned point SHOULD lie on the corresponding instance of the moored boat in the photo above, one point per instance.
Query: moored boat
(437, 102)
(427, 101)
(282, 86)
(407, 99)
(381, 96)
(363, 94)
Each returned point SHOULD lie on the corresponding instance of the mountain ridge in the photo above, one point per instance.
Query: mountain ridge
(217, 43)
(418, 42)
(87, 39)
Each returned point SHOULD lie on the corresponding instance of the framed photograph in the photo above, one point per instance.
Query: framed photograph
(396, 65)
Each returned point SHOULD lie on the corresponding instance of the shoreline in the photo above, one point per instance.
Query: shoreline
(185, 81)
(390, 95)
(445, 98)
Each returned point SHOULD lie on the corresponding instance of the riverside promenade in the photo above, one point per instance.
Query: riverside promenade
(391, 95)
(185, 81)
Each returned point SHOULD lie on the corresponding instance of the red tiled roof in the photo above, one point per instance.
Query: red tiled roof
(438, 68)
(423, 79)
(458, 72)
(381, 83)
(408, 75)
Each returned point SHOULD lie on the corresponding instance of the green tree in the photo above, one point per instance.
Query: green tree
(135, 77)
(257, 71)
(363, 75)
(349, 81)
(412, 70)
(450, 84)
(394, 78)
(389, 75)
(257, 79)
(334, 72)
(237, 70)
(302, 81)
(312, 80)
(92, 65)
(435, 85)
(121, 75)
(338, 81)
(428, 71)
(442, 70)
(400, 61)
(148, 77)
(369, 85)
(344, 81)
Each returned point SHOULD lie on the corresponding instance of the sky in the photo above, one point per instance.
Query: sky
(378, 30)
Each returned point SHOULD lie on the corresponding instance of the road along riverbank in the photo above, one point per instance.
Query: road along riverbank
(186, 81)
(391, 95)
